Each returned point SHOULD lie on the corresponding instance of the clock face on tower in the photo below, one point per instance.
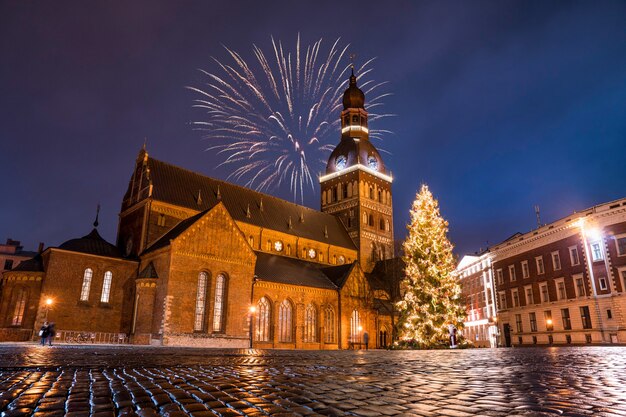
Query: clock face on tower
(312, 253)
(372, 162)
(341, 162)
(278, 245)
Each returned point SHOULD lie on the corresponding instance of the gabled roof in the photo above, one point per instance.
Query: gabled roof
(31, 265)
(93, 244)
(181, 187)
(175, 232)
(339, 274)
(148, 272)
(285, 270)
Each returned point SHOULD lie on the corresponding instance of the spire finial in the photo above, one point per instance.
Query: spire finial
(219, 194)
(248, 214)
(199, 198)
(95, 222)
(261, 205)
(145, 143)
(352, 76)
(290, 225)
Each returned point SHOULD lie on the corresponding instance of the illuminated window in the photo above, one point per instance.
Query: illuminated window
(387, 225)
(20, 306)
(355, 323)
(106, 287)
(547, 316)
(263, 320)
(251, 241)
(285, 322)
(198, 323)
(329, 325)
(364, 218)
(596, 251)
(161, 220)
(84, 291)
(310, 324)
(218, 308)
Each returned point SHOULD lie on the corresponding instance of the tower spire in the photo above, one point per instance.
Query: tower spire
(95, 222)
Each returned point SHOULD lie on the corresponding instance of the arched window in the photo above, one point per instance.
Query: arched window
(310, 324)
(349, 188)
(251, 241)
(20, 306)
(269, 245)
(371, 220)
(198, 323)
(364, 218)
(344, 190)
(355, 188)
(380, 196)
(84, 291)
(263, 320)
(355, 323)
(381, 224)
(323, 198)
(285, 322)
(106, 287)
(218, 306)
(355, 119)
(288, 250)
(329, 325)
(321, 257)
(387, 227)
(371, 193)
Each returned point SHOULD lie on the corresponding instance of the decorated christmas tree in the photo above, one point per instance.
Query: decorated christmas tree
(431, 299)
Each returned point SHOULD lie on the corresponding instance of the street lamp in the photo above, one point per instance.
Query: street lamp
(49, 302)
(252, 310)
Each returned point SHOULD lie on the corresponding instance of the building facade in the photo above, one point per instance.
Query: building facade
(476, 280)
(564, 283)
(203, 262)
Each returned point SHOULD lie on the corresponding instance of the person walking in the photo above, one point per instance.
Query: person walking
(43, 333)
(51, 333)
(366, 339)
(452, 330)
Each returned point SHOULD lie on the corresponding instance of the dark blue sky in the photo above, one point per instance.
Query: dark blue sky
(500, 105)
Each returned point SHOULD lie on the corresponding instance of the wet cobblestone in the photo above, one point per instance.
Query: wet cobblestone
(139, 381)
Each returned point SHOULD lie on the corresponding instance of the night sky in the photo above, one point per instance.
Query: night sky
(499, 105)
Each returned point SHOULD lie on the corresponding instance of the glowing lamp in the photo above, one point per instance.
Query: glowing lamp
(360, 328)
(252, 309)
(549, 322)
(594, 234)
(48, 301)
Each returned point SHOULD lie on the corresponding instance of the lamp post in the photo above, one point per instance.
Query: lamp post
(252, 310)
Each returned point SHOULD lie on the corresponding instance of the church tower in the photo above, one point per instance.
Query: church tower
(356, 186)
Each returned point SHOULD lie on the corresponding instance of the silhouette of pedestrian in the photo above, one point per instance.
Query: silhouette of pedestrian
(366, 339)
(51, 333)
(43, 333)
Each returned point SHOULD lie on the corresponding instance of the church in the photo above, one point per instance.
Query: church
(206, 263)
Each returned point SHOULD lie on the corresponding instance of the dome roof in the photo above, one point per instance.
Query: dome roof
(353, 97)
(352, 151)
(94, 244)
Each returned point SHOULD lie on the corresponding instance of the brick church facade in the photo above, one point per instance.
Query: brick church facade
(203, 262)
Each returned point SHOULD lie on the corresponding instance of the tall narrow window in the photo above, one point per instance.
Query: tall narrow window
(532, 317)
(285, 322)
(84, 291)
(596, 251)
(198, 323)
(106, 287)
(567, 323)
(218, 307)
(310, 324)
(20, 306)
(525, 269)
(556, 261)
(573, 255)
(263, 320)
(355, 323)
(585, 317)
(518, 323)
(539, 262)
(329, 325)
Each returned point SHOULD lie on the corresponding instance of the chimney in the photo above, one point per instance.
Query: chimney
(40, 249)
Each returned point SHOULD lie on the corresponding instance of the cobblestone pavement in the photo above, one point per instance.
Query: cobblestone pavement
(130, 381)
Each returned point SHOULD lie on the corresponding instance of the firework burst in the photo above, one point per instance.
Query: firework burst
(276, 119)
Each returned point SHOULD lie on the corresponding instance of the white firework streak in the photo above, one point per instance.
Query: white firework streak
(277, 121)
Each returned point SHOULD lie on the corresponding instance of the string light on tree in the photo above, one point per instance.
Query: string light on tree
(431, 300)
